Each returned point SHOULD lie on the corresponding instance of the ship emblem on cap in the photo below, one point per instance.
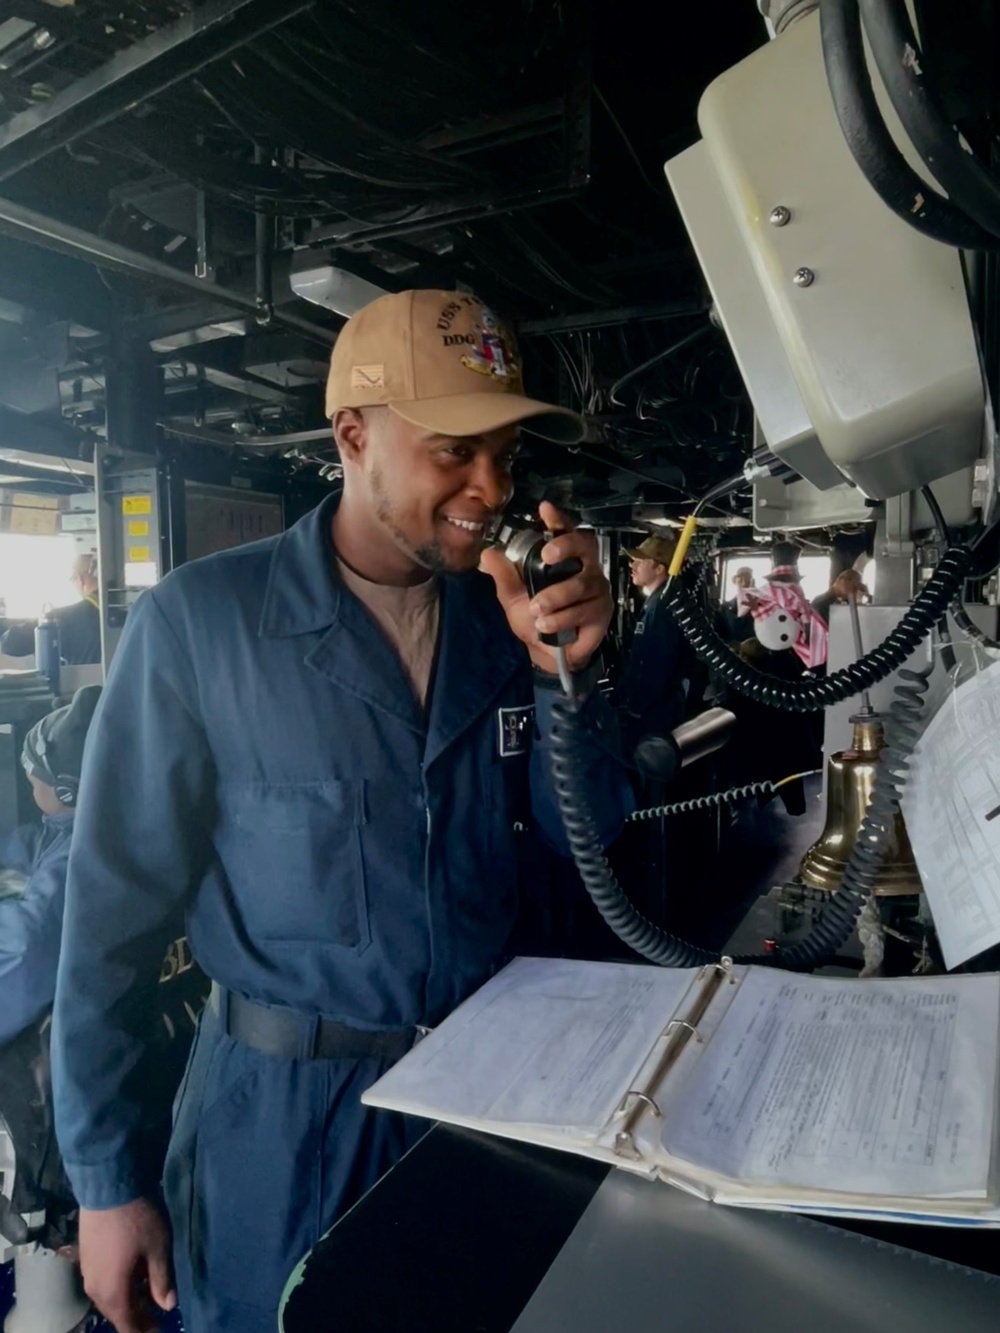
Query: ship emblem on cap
(494, 352)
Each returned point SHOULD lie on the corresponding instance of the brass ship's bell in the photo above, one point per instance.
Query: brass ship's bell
(850, 778)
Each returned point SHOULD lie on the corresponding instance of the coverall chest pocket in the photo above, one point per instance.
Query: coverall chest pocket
(295, 861)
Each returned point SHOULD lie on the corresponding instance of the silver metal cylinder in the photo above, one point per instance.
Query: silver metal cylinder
(704, 734)
(517, 544)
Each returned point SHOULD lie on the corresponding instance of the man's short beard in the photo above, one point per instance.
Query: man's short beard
(429, 556)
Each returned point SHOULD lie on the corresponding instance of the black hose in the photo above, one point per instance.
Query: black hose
(569, 764)
(805, 696)
(884, 166)
(970, 185)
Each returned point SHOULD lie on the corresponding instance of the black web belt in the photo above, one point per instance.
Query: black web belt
(296, 1036)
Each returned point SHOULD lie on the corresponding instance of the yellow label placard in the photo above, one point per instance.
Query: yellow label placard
(137, 504)
(138, 527)
(139, 555)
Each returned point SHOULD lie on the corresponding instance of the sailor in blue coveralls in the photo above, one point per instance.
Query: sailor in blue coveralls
(33, 863)
(317, 746)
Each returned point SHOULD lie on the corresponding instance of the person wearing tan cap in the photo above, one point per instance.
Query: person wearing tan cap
(651, 692)
(314, 748)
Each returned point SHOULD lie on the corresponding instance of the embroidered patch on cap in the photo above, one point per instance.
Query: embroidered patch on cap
(368, 377)
(493, 351)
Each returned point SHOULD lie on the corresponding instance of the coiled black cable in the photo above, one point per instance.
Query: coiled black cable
(805, 696)
(569, 767)
(569, 763)
(708, 802)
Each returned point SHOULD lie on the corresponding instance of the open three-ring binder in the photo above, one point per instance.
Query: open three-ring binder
(743, 1085)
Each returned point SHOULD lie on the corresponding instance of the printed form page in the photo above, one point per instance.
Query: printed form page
(866, 1087)
(951, 805)
(548, 1042)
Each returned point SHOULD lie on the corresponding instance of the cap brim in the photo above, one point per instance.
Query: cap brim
(633, 555)
(464, 414)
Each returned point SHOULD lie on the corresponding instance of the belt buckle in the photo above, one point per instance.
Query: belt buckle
(219, 1001)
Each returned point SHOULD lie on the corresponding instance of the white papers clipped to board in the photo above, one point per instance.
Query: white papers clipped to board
(951, 804)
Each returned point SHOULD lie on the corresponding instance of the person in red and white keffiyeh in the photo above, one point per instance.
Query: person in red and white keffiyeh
(784, 618)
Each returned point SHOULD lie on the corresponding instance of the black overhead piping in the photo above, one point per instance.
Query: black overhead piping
(24, 224)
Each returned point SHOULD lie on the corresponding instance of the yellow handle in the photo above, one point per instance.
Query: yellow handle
(683, 542)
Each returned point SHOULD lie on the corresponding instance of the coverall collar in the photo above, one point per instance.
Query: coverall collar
(303, 592)
(64, 819)
(477, 653)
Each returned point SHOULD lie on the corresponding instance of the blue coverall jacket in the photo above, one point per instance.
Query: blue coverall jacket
(258, 757)
(31, 921)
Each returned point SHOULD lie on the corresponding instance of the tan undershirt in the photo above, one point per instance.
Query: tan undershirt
(409, 619)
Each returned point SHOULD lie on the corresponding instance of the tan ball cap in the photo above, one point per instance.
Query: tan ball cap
(660, 549)
(442, 361)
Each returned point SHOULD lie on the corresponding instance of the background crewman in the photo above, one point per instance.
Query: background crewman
(79, 623)
(31, 917)
(737, 619)
(651, 693)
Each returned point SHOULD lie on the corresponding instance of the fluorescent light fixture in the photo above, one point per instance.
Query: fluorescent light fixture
(335, 289)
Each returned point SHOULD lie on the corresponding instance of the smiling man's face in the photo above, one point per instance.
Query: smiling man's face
(432, 496)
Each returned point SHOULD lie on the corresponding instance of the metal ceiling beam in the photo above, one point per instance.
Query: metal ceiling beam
(143, 70)
(181, 326)
(21, 475)
(429, 217)
(245, 386)
(224, 362)
(489, 131)
(25, 433)
(24, 224)
(275, 443)
(52, 286)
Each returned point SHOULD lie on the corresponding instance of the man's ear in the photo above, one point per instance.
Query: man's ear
(350, 434)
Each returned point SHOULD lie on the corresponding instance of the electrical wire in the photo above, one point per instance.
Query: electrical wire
(714, 799)
(570, 761)
(630, 149)
(631, 471)
(565, 677)
(75, 475)
(655, 360)
(809, 695)
(806, 696)
(723, 489)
